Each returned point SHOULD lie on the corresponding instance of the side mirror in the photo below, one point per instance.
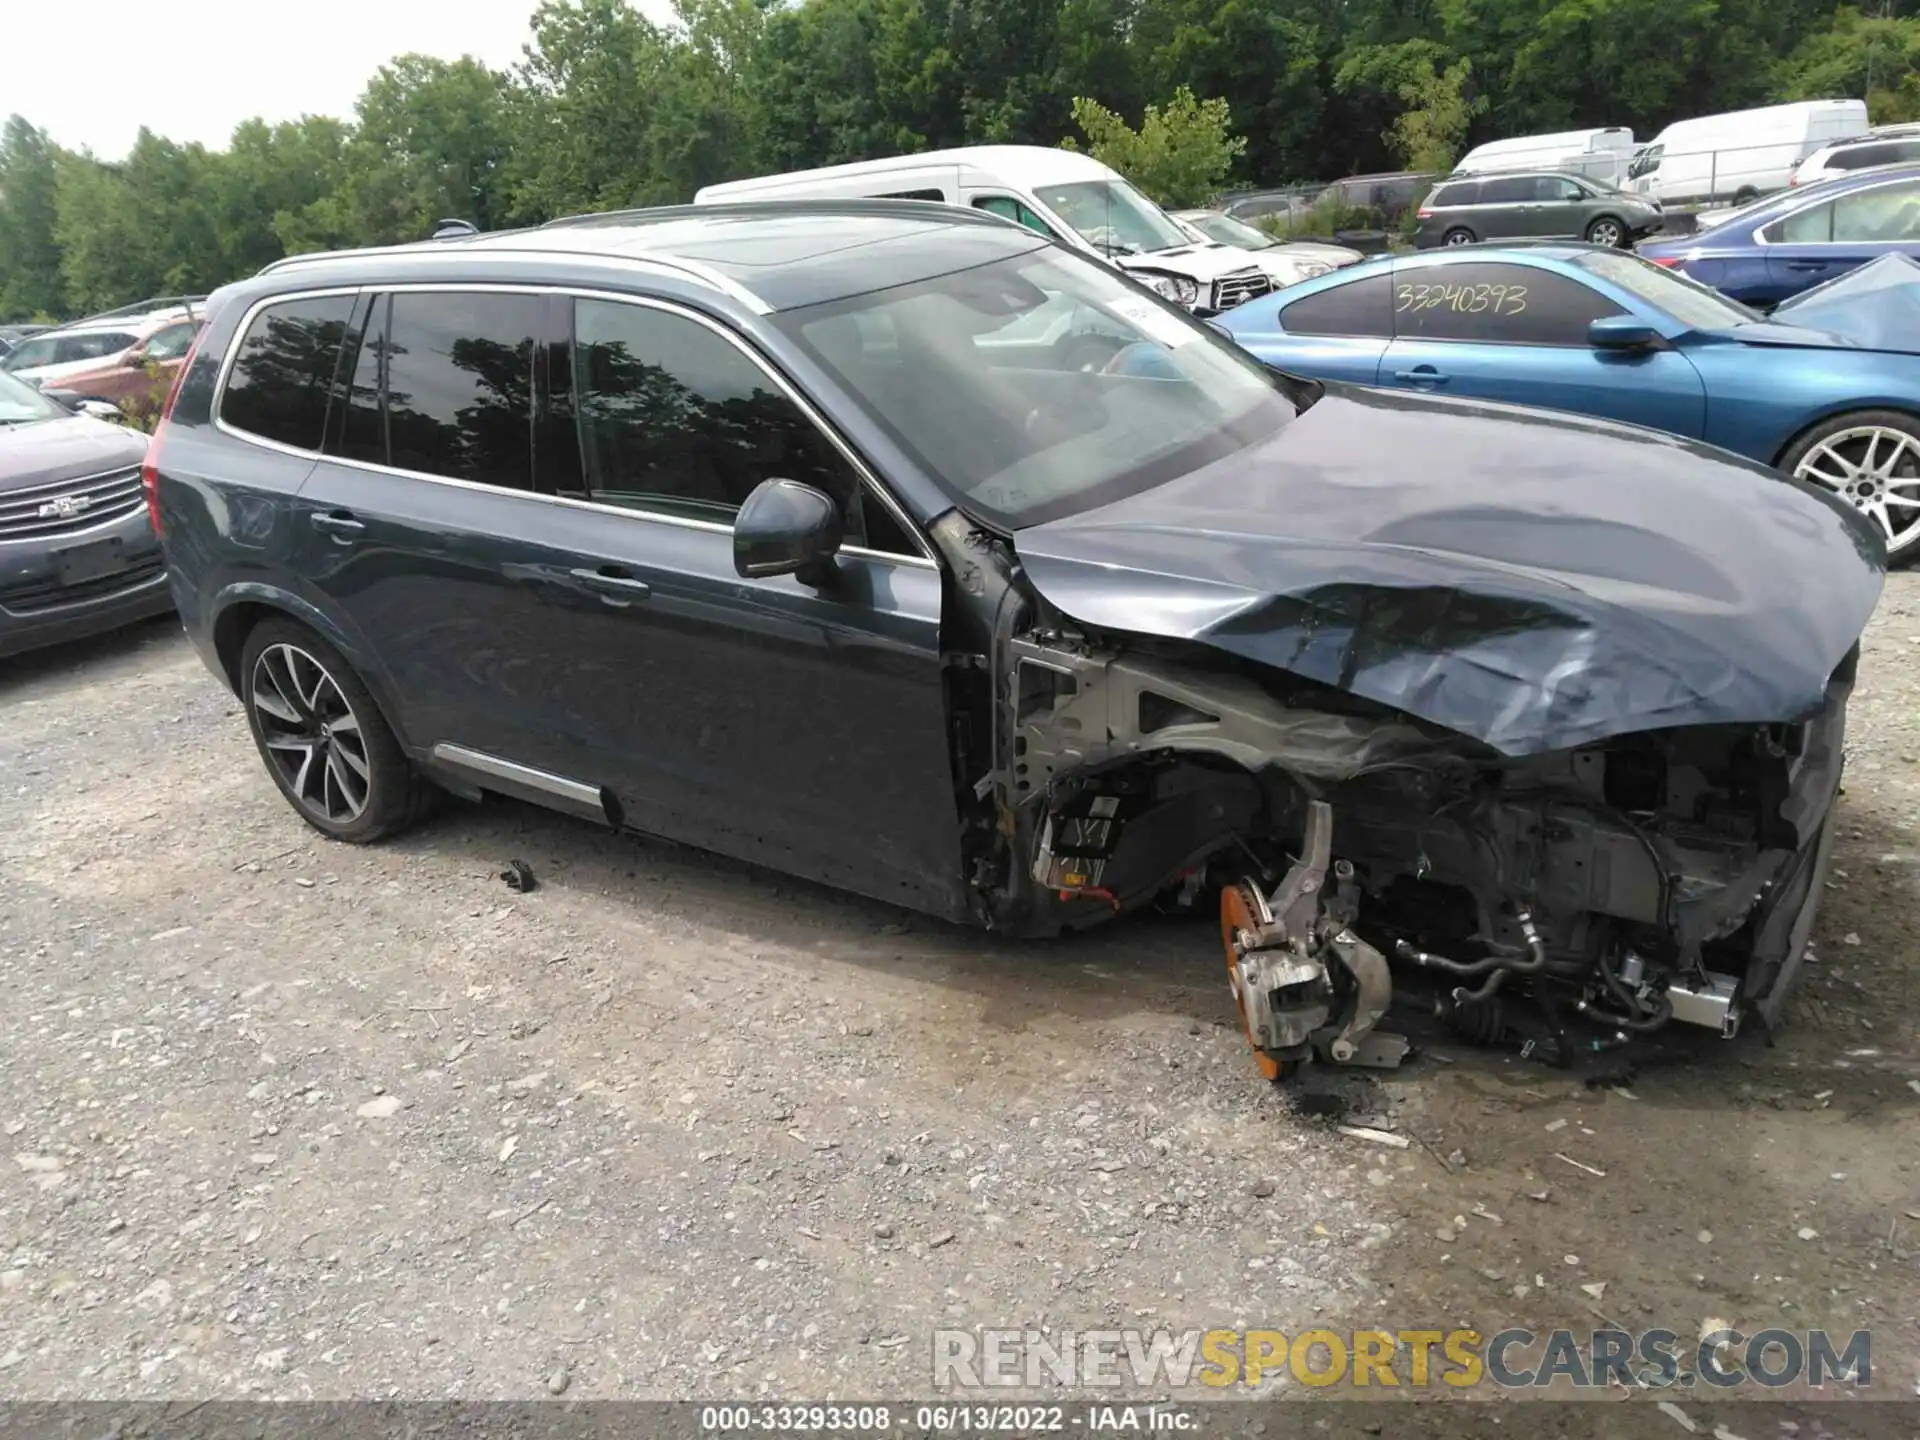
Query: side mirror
(1623, 332)
(136, 361)
(787, 528)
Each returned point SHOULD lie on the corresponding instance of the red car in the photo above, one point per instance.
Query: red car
(141, 365)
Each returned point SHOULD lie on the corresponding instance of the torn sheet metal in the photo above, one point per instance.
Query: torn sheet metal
(1527, 579)
(1876, 306)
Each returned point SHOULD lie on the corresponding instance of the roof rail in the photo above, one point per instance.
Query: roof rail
(143, 307)
(817, 205)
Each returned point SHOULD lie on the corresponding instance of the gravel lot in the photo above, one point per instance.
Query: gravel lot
(284, 1118)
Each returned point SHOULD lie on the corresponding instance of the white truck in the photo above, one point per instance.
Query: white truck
(1070, 197)
(1736, 157)
(1602, 153)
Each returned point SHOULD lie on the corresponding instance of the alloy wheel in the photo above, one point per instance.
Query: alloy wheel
(1876, 469)
(1459, 237)
(1606, 233)
(310, 734)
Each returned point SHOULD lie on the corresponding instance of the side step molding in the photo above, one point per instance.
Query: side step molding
(524, 782)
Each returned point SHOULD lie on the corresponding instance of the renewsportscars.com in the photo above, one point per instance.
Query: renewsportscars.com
(1461, 1358)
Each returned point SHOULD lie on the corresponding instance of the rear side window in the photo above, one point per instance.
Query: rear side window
(281, 373)
(1464, 192)
(938, 195)
(443, 385)
(1362, 307)
(1511, 304)
(1860, 157)
(1507, 190)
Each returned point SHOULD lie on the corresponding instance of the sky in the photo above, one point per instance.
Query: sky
(91, 75)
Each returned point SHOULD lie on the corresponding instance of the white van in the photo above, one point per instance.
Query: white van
(1601, 154)
(1072, 198)
(1743, 154)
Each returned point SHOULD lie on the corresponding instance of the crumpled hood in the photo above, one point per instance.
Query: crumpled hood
(1199, 261)
(1534, 581)
(67, 448)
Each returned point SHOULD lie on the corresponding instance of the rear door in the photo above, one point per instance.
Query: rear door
(1818, 242)
(411, 523)
(1508, 209)
(1503, 331)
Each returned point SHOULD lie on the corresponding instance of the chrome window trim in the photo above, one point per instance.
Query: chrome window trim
(924, 559)
(1760, 237)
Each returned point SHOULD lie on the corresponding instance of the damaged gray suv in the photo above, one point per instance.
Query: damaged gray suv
(778, 531)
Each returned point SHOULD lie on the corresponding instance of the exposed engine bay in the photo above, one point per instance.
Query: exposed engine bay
(1569, 902)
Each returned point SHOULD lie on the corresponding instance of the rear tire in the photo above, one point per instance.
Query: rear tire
(323, 739)
(1607, 231)
(1871, 460)
(1458, 236)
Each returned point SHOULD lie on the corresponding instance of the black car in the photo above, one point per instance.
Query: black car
(77, 555)
(797, 532)
(1533, 205)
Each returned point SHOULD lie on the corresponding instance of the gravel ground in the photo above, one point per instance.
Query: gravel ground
(290, 1119)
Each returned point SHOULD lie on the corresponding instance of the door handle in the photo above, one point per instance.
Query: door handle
(337, 522)
(1806, 264)
(1421, 375)
(614, 585)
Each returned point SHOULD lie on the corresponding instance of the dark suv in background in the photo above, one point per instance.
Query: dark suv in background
(1533, 205)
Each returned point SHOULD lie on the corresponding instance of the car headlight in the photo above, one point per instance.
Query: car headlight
(1176, 288)
(1313, 269)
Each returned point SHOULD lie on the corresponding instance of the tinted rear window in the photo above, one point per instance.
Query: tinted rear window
(277, 388)
(1507, 190)
(1361, 307)
(1860, 157)
(1464, 192)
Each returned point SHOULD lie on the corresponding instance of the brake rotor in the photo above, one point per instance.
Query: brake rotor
(1240, 927)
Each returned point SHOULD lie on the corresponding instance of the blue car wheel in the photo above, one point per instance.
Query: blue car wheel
(1871, 459)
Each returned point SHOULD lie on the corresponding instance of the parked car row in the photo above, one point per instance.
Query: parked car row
(1595, 332)
(107, 358)
(1777, 247)
(797, 531)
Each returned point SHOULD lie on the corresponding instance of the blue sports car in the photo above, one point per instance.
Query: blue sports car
(1789, 242)
(1581, 328)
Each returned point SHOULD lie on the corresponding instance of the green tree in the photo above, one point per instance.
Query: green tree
(1858, 55)
(1180, 153)
(29, 247)
(583, 109)
(1435, 110)
(1263, 57)
(430, 140)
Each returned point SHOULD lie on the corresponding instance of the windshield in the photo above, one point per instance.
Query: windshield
(1688, 301)
(21, 404)
(1113, 216)
(1042, 385)
(1229, 231)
